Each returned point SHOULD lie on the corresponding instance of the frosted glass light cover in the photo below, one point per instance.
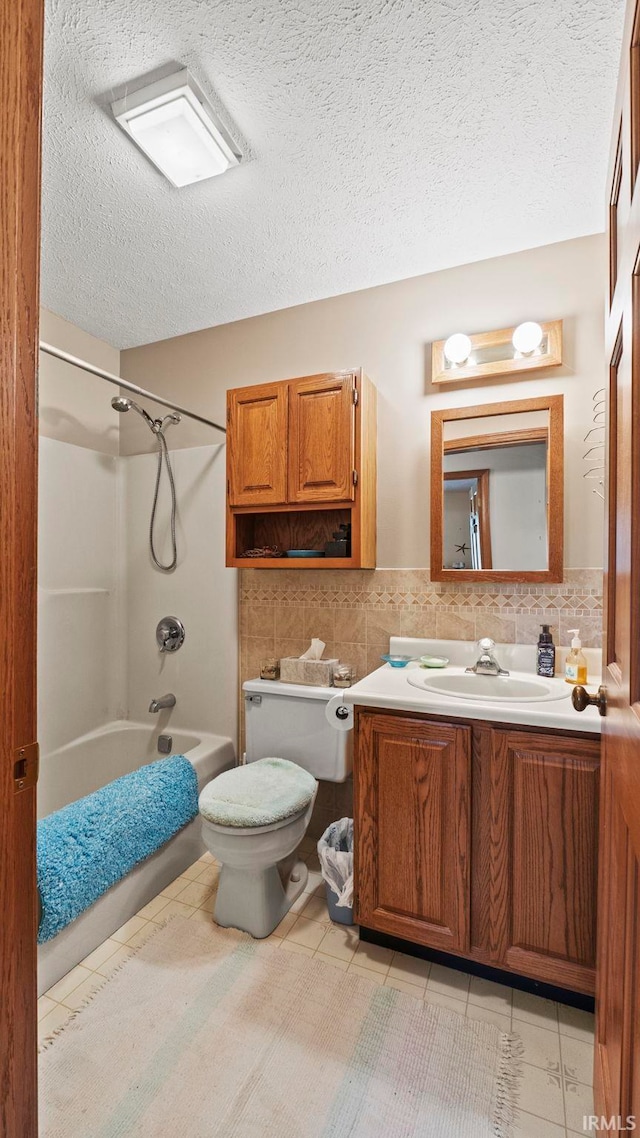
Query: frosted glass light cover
(175, 139)
(457, 348)
(174, 125)
(527, 337)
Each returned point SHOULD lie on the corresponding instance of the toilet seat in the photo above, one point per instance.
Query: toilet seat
(259, 796)
(238, 831)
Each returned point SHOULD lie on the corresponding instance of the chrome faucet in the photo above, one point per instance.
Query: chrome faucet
(486, 664)
(168, 700)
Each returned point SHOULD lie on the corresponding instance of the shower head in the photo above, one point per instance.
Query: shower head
(121, 403)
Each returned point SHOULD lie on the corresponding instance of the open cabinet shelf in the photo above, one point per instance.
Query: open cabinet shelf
(287, 529)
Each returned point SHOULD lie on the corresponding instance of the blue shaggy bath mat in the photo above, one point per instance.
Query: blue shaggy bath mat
(87, 846)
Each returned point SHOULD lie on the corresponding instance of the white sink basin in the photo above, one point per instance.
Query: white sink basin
(490, 689)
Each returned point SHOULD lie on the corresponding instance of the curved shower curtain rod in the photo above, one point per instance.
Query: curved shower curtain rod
(67, 358)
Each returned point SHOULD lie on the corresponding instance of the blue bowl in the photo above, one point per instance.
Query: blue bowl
(396, 661)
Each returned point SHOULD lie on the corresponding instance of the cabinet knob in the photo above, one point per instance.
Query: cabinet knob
(581, 699)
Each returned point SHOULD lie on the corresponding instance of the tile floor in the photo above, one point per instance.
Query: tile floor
(558, 1041)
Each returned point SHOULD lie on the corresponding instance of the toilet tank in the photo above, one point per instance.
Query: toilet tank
(288, 721)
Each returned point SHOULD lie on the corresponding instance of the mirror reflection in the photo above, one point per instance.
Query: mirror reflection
(497, 509)
(495, 492)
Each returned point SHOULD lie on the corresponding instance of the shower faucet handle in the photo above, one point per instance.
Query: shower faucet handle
(170, 634)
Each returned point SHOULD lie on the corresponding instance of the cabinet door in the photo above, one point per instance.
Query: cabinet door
(257, 445)
(543, 854)
(322, 439)
(411, 786)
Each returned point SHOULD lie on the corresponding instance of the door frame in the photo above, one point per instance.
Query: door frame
(616, 1085)
(21, 36)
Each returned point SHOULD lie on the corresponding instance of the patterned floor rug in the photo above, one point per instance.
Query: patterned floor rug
(206, 1033)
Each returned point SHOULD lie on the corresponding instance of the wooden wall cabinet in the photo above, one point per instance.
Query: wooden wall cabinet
(480, 840)
(301, 461)
(257, 460)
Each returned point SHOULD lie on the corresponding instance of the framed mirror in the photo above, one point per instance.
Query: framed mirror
(497, 491)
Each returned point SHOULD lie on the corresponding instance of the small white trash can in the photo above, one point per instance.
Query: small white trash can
(335, 854)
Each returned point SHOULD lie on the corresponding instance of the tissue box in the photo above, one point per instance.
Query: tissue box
(310, 672)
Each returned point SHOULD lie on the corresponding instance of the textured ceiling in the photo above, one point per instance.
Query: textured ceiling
(383, 139)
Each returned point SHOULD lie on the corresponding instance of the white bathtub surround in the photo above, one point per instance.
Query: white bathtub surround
(101, 597)
(393, 687)
(200, 592)
(81, 681)
(99, 665)
(79, 769)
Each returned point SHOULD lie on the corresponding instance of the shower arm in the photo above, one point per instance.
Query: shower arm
(75, 361)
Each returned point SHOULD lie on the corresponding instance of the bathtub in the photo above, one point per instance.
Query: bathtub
(83, 766)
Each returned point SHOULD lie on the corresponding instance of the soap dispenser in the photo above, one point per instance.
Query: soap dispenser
(575, 668)
(546, 653)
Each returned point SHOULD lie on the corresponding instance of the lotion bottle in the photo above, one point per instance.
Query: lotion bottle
(546, 653)
(575, 668)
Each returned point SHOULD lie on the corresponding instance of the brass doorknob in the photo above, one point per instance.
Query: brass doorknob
(580, 699)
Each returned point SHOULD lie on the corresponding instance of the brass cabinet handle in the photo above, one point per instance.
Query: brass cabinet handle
(580, 699)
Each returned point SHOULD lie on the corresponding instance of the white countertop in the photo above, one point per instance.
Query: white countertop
(389, 687)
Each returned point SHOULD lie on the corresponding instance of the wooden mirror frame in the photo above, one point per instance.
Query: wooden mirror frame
(554, 404)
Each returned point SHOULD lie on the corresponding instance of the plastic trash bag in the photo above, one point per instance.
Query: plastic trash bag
(335, 853)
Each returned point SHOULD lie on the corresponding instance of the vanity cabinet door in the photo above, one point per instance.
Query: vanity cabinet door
(322, 420)
(257, 445)
(543, 856)
(411, 790)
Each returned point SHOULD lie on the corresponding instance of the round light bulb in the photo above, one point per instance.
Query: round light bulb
(527, 337)
(457, 348)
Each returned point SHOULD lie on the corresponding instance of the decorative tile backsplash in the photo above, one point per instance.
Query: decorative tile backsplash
(355, 611)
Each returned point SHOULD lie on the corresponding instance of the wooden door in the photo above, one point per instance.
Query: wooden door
(257, 445)
(543, 856)
(617, 1074)
(322, 413)
(412, 842)
(21, 27)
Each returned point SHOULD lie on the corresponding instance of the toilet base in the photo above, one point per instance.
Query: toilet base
(257, 901)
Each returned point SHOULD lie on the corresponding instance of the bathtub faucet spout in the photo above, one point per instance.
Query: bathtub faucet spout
(168, 700)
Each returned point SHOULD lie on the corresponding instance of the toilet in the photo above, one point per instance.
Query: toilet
(255, 815)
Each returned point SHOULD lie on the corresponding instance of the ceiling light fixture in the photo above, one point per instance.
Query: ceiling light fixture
(457, 348)
(527, 337)
(175, 127)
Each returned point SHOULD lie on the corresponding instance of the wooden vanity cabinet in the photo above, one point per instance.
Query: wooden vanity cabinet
(301, 462)
(480, 840)
(411, 802)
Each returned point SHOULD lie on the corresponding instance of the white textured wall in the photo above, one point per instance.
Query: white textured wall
(388, 330)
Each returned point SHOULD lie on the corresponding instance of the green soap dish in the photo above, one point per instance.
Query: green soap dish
(433, 661)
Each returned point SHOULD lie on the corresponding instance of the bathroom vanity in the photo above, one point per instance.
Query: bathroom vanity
(476, 822)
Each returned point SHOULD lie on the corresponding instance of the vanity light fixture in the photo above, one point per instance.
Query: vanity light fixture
(507, 351)
(175, 127)
(457, 348)
(527, 337)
